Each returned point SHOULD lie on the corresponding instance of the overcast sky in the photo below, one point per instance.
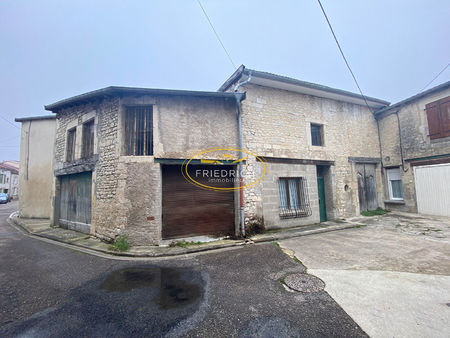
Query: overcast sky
(51, 50)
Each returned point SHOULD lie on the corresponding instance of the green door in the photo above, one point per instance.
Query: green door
(322, 205)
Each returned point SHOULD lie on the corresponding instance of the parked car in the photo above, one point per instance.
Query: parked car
(4, 198)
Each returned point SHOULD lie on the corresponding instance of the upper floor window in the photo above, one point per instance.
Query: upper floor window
(139, 131)
(294, 199)
(438, 116)
(71, 141)
(88, 139)
(395, 184)
(316, 134)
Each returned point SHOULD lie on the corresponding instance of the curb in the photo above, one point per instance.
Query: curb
(177, 251)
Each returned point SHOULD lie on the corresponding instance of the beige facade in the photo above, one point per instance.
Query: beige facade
(324, 167)
(36, 175)
(126, 190)
(277, 124)
(406, 142)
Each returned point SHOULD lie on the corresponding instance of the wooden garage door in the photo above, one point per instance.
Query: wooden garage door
(188, 210)
(433, 189)
(75, 202)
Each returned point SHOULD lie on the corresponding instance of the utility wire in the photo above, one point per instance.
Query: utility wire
(217, 35)
(9, 122)
(343, 56)
(443, 70)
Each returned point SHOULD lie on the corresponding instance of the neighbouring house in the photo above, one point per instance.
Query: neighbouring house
(310, 153)
(320, 143)
(36, 157)
(9, 178)
(415, 140)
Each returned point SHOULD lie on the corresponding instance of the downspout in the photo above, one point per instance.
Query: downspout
(400, 141)
(239, 97)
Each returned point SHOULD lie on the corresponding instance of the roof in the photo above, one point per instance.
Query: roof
(288, 83)
(35, 118)
(113, 90)
(9, 168)
(398, 105)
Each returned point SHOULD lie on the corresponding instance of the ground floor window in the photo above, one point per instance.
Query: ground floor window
(294, 199)
(395, 184)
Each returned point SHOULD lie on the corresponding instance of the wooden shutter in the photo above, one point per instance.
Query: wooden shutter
(433, 117)
(445, 116)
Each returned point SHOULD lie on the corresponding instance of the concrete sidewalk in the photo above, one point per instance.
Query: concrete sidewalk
(41, 228)
(391, 276)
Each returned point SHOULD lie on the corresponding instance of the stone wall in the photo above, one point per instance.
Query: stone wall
(271, 194)
(276, 123)
(127, 189)
(415, 144)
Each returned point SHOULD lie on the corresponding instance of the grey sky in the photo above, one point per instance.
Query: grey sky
(52, 50)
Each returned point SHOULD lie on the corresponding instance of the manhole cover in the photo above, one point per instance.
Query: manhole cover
(304, 283)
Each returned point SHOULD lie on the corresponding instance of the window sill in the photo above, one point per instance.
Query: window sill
(401, 202)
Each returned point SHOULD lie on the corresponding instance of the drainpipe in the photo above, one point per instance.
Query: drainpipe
(239, 97)
(400, 141)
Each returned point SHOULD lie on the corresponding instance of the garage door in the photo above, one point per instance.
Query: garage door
(188, 210)
(433, 189)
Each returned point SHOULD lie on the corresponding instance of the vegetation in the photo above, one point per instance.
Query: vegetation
(255, 226)
(184, 244)
(121, 244)
(376, 212)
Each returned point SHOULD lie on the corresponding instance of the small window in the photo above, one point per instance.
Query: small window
(294, 200)
(316, 134)
(395, 184)
(88, 139)
(71, 140)
(139, 131)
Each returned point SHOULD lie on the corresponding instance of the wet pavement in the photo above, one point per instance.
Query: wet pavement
(52, 291)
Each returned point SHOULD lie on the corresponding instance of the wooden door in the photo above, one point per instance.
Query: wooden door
(367, 186)
(75, 201)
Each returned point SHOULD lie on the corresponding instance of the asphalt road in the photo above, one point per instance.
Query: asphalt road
(51, 291)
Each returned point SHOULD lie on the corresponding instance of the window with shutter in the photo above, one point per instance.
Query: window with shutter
(438, 116)
(445, 116)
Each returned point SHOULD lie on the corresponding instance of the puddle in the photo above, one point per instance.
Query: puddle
(172, 289)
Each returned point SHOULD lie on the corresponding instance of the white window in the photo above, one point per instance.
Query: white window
(394, 177)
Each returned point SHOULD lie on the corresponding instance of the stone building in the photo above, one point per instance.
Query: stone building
(118, 158)
(36, 157)
(415, 140)
(322, 137)
(140, 162)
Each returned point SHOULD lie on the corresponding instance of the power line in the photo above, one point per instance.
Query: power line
(443, 70)
(217, 35)
(9, 122)
(343, 56)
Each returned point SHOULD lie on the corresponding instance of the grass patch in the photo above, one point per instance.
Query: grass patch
(184, 244)
(120, 244)
(376, 212)
(282, 280)
(276, 244)
(360, 225)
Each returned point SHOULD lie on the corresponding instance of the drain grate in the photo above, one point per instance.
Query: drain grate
(304, 283)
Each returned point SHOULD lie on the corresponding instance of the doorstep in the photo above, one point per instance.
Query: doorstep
(41, 228)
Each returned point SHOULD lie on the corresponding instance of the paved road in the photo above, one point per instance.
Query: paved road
(51, 291)
(393, 282)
